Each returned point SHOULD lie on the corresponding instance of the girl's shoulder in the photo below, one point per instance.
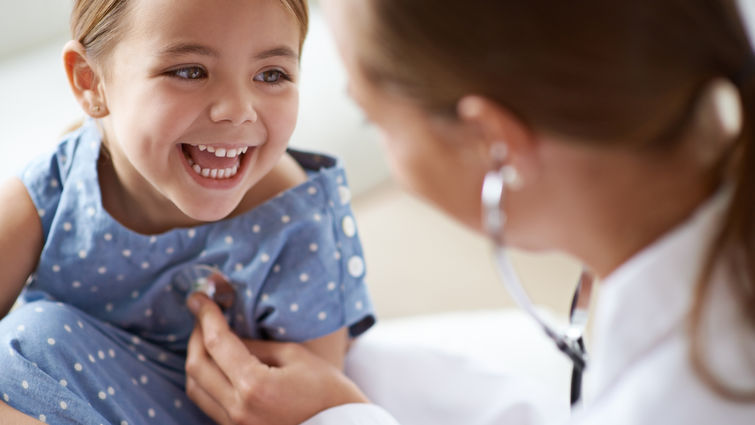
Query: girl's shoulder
(71, 163)
(54, 167)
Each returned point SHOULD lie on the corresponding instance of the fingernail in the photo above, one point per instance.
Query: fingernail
(193, 303)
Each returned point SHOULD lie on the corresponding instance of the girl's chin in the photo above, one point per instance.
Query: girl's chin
(208, 212)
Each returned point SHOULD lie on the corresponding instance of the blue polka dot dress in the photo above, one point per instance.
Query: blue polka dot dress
(100, 336)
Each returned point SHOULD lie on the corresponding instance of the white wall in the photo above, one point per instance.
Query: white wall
(747, 7)
(27, 24)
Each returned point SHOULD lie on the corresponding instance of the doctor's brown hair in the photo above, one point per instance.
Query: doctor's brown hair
(627, 74)
(97, 24)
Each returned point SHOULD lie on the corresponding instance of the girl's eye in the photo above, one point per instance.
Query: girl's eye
(272, 76)
(189, 73)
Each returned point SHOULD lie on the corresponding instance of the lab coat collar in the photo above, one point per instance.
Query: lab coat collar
(649, 297)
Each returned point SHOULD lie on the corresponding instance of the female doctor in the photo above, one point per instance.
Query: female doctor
(621, 133)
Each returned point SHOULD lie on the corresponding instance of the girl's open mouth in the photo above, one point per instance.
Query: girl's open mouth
(214, 162)
(219, 166)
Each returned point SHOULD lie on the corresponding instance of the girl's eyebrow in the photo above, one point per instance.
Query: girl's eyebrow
(280, 51)
(180, 49)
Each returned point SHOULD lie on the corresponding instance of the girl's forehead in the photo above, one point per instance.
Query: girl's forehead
(214, 22)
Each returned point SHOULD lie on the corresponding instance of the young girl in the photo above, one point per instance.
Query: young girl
(182, 162)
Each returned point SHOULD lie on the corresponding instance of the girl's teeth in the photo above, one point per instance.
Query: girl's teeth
(218, 173)
(223, 152)
(227, 153)
(215, 173)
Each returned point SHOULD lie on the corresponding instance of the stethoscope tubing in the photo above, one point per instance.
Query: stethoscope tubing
(570, 341)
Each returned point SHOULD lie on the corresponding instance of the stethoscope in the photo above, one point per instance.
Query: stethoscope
(568, 341)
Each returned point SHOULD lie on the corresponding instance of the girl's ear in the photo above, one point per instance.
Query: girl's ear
(496, 125)
(84, 80)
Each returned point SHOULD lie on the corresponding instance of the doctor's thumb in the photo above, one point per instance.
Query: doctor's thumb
(196, 301)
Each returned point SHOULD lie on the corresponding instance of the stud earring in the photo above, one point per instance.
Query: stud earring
(510, 176)
(96, 109)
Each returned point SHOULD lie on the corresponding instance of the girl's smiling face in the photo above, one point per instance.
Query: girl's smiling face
(202, 101)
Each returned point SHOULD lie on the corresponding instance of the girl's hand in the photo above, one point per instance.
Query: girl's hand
(238, 381)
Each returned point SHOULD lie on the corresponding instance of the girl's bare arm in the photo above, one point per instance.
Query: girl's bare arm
(20, 241)
(13, 416)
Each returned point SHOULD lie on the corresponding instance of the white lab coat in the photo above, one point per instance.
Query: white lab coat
(639, 370)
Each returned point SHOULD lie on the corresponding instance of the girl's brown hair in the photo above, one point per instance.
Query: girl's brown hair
(97, 24)
(625, 73)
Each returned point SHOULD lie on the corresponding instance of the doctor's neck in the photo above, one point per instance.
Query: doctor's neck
(618, 203)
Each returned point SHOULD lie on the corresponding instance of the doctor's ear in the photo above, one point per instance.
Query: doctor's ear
(496, 125)
(84, 79)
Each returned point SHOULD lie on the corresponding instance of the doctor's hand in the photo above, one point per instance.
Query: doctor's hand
(237, 381)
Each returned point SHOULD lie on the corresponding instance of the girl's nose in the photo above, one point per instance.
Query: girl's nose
(234, 105)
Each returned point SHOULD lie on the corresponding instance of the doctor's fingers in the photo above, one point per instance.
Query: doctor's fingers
(207, 403)
(209, 387)
(297, 373)
(238, 414)
(220, 342)
(280, 354)
(257, 397)
(203, 375)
